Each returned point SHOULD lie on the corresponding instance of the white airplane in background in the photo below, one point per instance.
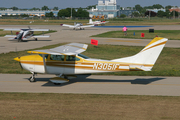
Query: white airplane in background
(77, 26)
(97, 22)
(66, 61)
(25, 34)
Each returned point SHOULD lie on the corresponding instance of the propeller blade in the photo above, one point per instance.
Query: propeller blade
(21, 66)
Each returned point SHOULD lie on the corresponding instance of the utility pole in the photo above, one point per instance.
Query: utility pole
(71, 13)
(174, 12)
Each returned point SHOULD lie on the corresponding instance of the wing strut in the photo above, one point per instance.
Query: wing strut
(44, 61)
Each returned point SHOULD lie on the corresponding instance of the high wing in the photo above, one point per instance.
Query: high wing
(26, 29)
(70, 26)
(10, 36)
(87, 26)
(12, 29)
(68, 49)
(38, 29)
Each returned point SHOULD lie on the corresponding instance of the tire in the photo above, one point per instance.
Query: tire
(31, 79)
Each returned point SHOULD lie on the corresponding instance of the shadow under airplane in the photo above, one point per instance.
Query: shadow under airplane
(83, 78)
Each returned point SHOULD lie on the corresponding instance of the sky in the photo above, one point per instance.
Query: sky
(81, 3)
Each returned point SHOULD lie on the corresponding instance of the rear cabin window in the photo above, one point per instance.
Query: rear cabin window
(57, 57)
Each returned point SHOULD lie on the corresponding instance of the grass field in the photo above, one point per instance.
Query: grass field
(3, 33)
(44, 106)
(126, 21)
(167, 64)
(170, 34)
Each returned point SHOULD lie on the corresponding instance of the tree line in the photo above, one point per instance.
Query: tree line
(34, 8)
(143, 10)
(82, 12)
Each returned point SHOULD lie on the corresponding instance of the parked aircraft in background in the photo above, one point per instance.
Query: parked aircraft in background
(25, 34)
(97, 22)
(77, 26)
(66, 61)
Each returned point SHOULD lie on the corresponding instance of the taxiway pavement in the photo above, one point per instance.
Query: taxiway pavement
(94, 84)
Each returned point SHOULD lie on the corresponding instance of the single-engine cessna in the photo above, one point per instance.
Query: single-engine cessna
(25, 34)
(77, 26)
(66, 61)
(97, 22)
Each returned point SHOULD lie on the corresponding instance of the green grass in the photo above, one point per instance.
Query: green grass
(170, 34)
(167, 64)
(50, 106)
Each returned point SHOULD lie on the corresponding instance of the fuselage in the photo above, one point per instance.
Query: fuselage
(69, 65)
(24, 34)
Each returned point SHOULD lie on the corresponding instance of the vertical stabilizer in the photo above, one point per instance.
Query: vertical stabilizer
(148, 55)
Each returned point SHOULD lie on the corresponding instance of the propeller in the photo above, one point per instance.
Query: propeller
(19, 58)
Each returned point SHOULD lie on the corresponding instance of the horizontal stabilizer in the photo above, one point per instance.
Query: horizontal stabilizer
(138, 68)
(58, 80)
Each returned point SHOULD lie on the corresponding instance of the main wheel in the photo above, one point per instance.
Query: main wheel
(32, 79)
(36, 39)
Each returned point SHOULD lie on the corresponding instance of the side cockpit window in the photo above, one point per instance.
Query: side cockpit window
(57, 57)
(72, 58)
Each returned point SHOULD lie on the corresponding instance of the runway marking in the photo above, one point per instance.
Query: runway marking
(132, 41)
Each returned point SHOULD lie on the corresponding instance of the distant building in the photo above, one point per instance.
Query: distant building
(28, 12)
(108, 9)
(127, 11)
(177, 9)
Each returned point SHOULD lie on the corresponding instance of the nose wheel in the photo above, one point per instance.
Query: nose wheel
(32, 78)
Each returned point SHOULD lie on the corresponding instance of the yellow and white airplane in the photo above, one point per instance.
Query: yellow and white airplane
(66, 61)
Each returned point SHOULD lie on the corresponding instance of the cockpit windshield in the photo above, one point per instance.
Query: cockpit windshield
(46, 56)
(83, 56)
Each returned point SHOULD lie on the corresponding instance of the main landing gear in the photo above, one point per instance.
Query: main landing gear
(32, 78)
(36, 39)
